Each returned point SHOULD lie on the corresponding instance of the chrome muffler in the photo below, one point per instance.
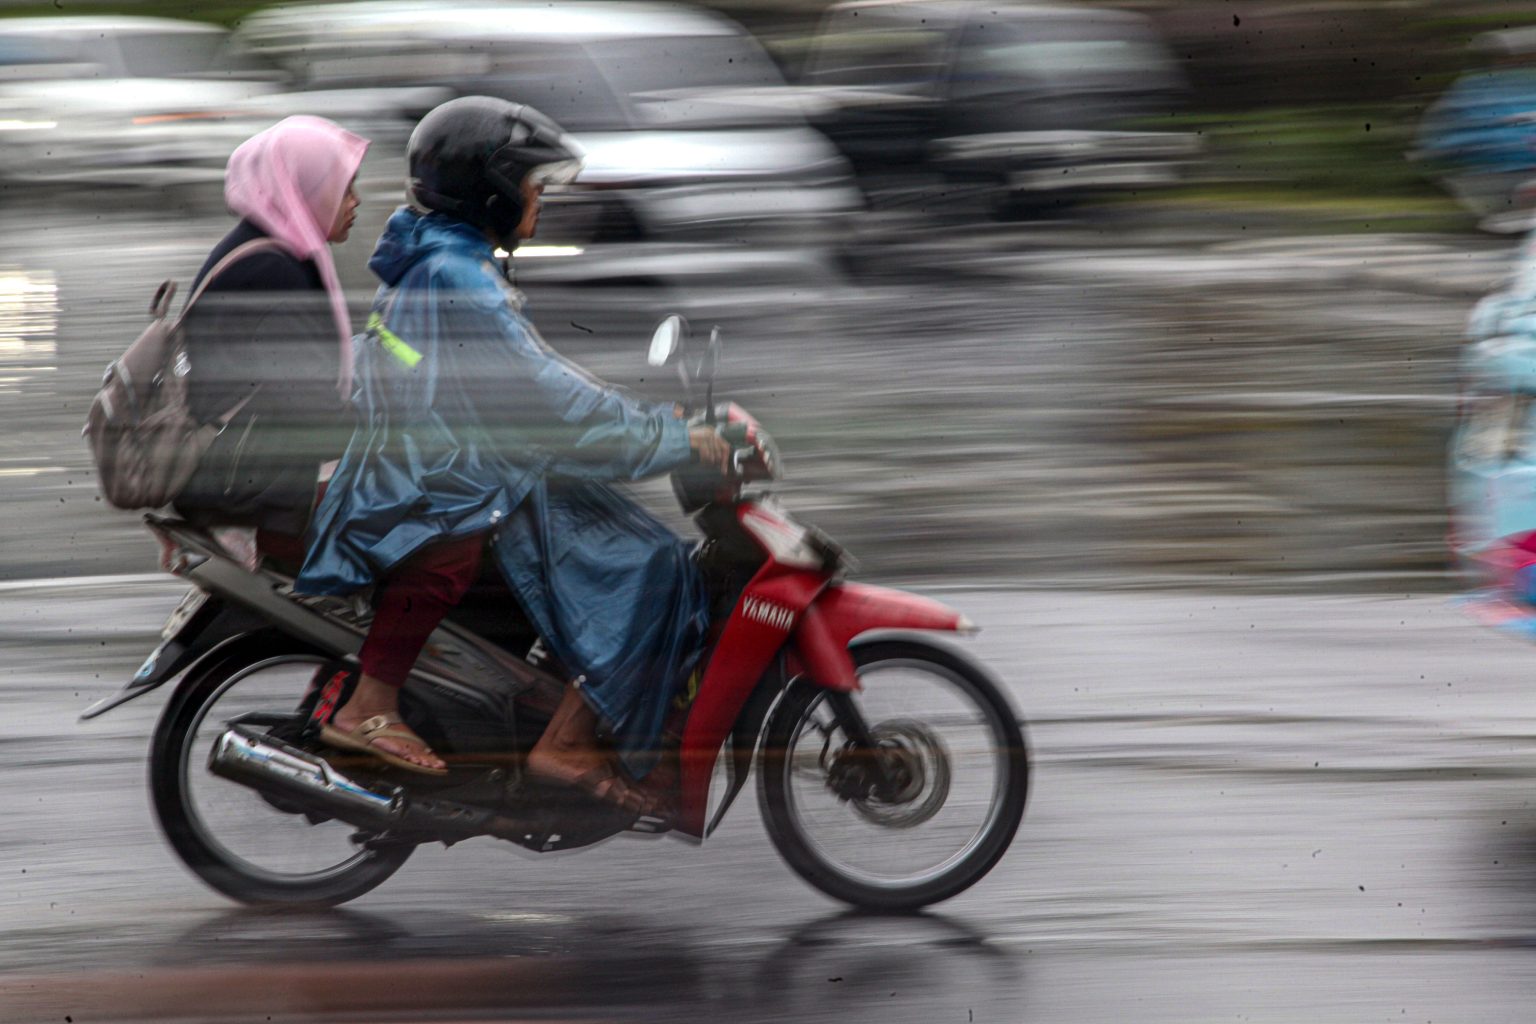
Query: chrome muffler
(270, 766)
(299, 781)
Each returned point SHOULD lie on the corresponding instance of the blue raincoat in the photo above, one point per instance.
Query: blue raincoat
(469, 423)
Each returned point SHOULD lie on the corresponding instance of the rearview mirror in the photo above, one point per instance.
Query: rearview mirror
(709, 362)
(667, 341)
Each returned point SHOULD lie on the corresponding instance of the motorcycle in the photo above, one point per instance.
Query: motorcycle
(892, 770)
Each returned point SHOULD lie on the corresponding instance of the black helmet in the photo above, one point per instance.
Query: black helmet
(470, 157)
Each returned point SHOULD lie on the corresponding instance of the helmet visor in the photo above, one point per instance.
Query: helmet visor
(561, 172)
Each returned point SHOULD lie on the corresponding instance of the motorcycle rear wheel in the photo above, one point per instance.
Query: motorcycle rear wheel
(228, 834)
(950, 732)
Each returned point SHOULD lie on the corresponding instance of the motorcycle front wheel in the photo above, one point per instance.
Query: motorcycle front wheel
(953, 779)
(233, 838)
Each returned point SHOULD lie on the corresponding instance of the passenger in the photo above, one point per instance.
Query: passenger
(473, 432)
(273, 331)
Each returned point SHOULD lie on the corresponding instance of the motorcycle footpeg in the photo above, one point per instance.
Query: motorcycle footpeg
(648, 825)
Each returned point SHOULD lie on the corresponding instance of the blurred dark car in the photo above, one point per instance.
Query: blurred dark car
(122, 100)
(1020, 105)
(691, 134)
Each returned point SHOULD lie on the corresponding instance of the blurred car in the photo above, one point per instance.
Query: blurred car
(690, 131)
(122, 100)
(1027, 104)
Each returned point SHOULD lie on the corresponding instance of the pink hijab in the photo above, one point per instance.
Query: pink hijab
(290, 181)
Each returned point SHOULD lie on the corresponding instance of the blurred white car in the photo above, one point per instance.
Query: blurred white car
(690, 131)
(123, 100)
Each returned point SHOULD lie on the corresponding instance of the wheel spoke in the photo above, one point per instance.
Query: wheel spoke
(240, 820)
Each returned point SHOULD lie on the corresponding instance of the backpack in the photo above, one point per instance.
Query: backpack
(143, 437)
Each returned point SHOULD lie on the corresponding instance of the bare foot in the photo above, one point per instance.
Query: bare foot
(601, 777)
(659, 788)
(565, 765)
(568, 753)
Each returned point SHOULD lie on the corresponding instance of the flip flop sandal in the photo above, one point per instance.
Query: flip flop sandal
(369, 731)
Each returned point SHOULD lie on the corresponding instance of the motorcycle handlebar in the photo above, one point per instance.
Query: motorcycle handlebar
(741, 459)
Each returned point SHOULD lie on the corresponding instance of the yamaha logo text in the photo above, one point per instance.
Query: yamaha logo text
(767, 613)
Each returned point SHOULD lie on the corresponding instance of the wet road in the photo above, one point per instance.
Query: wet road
(1246, 807)
(1255, 808)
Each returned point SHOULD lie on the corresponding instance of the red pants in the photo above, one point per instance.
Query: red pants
(411, 602)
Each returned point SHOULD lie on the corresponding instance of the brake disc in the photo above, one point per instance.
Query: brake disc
(920, 756)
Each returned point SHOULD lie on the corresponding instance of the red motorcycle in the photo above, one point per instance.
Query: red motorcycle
(892, 771)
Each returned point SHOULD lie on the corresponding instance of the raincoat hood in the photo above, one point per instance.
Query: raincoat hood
(412, 235)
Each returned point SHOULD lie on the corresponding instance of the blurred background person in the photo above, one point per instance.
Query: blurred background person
(1481, 134)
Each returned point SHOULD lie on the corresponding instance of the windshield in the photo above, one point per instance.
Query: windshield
(31, 55)
(169, 54)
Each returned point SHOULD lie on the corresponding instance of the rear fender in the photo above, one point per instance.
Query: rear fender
(208, 647)
(208, 630)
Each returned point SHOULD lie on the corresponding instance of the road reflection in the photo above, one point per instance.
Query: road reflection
(320, 964)
(29, 323)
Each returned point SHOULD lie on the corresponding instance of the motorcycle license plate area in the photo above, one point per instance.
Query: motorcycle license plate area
(190, 603)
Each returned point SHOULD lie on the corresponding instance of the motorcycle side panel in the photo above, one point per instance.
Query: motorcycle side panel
(823, 618)
(744, 738)
(757, 630)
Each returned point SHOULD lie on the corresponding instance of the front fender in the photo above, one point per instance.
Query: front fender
(844, 611)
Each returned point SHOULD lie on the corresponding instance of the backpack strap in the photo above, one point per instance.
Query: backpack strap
(161, 303)
(232, 257)
(234, 410)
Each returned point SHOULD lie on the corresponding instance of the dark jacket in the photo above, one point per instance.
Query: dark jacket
(263, 330)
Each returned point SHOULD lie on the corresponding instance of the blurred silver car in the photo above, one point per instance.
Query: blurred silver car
(690, 131)
(122, 100)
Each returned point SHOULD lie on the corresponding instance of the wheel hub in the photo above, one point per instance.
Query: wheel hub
(901, 783)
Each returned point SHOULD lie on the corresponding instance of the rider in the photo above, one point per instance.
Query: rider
(273, 333)
(475, 437)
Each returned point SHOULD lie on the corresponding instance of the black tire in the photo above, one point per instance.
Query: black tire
(789, 783)
(214, 824)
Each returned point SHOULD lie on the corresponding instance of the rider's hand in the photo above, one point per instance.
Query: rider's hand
(711, 448)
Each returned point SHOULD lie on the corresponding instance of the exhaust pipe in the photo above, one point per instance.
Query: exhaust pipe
(302, 782)
(270, 766)
(297, 777)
